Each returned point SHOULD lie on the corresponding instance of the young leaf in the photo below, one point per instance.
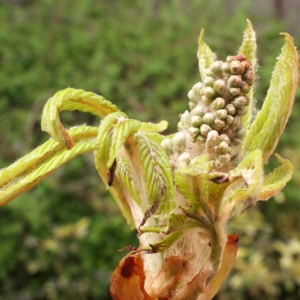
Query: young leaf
(72, 99)
(273, 183)
(103, 142)
(151, 127)
(47, 161)
(196, 183)
(122, 130)
(205, 56)
(248, 48)
(251, 169)
(124, 173)
(156, 172)
(276, 180)
(277, 106)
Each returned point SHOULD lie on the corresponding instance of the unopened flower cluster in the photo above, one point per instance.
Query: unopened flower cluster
(214, 122)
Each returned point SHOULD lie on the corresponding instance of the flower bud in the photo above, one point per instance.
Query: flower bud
(212, 139)
(192, 105)
(239, 102)
(219, 123)
(240, 57)
(231, 151)
(197, 89)
(208, 119)
(205, 100)
(194, 132)
(245, 87)
(198, 111)
(209, 81)
(236, 67)
(179, 142)
(209, 73)
(184, 157)
(196, 121)
(180, 126)
(222, 148)
(226, 67)
(205, 129)
(242, 111)
(230, 109)
(191, 95)
(234, 91)
(218, 164)
(224, 158)
(218, 103)
(185, 119)
(246, 65)
(200, 139)
(221, 114)
(249, 76)
(167, 144)
(237, 122)
(216, 68)
(224, 138)
(230, 58)
(229, 119)
(238, 142)
(234, 81)
(241, 133)
(219, 86)
(209, 92)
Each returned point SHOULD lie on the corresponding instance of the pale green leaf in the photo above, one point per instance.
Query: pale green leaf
(271, 120)
(157, 172)
(125, 174)
(251, 170)
(196, 183)
(103, 142)
(43, 161)
(122, 130)
(273, 183)
(189, 187)
(165, 243)
(205, 56)
(276, 180)
(248, 48)
(42, 153)
(151, 127)
(72, 99)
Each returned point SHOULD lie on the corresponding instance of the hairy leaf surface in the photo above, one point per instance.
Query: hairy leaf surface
(156, 172)
(122, 130)
(277, 106)
(205, 55)
(72, 99)
(248, 48)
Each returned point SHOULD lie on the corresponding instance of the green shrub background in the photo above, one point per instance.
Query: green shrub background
(60, 240)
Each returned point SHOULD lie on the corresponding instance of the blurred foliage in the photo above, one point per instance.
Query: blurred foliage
(60, 240)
